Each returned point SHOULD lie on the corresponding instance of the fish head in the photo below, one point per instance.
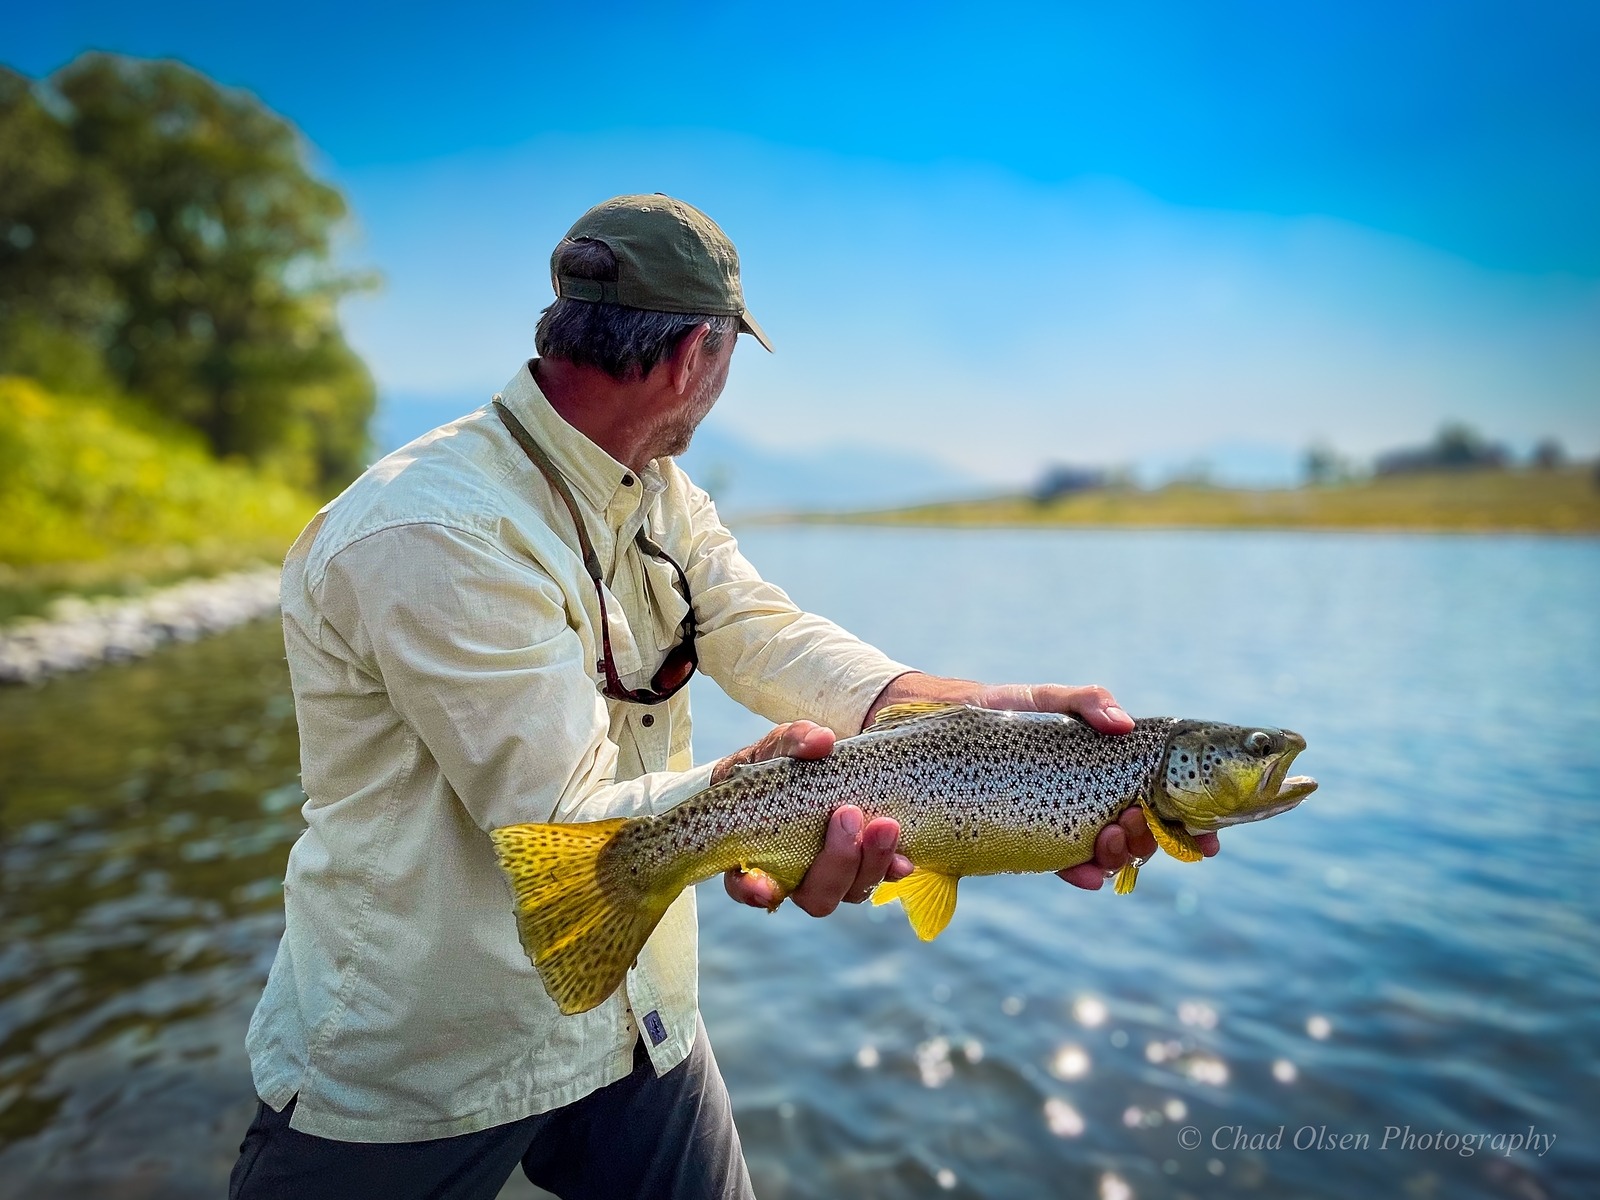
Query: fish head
(1220, 775)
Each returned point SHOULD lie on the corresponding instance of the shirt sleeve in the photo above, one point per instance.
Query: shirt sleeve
(763, 650)
(475, 653)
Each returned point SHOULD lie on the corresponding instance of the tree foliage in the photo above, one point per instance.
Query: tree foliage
(164, 234)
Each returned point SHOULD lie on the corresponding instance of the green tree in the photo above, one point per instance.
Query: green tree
(213, 300)
(63, 226)
(1324, 465)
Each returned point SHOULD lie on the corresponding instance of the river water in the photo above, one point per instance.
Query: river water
(1331, 1008)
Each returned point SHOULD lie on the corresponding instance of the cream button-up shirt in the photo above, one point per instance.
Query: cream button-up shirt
(442, 641)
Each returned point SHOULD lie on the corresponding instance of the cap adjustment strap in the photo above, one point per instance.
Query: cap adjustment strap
(593, 291)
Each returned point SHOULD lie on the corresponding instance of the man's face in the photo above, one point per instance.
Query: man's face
(713, 376)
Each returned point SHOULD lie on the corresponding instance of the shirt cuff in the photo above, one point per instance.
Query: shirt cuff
(844, 707)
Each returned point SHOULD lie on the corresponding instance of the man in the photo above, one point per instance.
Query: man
(494, 625)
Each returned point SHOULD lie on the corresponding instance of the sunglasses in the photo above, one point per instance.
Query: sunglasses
(679, 665)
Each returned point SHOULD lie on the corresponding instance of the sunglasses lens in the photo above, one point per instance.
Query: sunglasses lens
(675, 672)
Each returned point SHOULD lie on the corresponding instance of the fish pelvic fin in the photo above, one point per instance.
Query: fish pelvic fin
(1170, 836)
(582, 917)
(929, 899)
(780, 890)
(1127, 877)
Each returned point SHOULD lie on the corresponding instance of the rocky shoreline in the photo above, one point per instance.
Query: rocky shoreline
(78, 634)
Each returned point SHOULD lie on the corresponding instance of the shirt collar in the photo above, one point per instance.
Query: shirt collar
(593, 474)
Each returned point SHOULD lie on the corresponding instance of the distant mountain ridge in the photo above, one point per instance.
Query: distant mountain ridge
(743, 477)
(746, 478)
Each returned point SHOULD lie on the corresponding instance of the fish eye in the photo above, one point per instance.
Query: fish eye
(1258, 742)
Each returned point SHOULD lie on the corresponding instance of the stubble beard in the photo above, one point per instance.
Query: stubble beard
(677, 432)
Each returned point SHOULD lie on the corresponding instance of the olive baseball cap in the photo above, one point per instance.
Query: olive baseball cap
(671, 257)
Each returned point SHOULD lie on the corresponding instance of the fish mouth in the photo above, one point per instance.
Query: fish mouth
(1280, 789)
(1278, 793)
(1294, 789)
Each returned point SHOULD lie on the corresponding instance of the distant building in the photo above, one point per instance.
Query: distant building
(1455, 448)
(1061, 480)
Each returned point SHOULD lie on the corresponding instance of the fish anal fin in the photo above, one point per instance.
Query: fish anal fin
(929, 899)
(1171, 836)
(891, 715)
(1126, 878)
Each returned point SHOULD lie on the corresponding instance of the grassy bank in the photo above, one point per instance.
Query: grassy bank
(1563, 501)
(96, 498)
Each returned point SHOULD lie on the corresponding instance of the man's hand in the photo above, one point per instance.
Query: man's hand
(1092, 705)
(855, 857)
(1124, 839)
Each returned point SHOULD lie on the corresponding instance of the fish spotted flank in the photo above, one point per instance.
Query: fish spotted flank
(976, 792)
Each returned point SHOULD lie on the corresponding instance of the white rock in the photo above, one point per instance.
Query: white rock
(80, 633)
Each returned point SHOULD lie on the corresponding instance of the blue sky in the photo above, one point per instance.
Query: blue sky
(995, 234)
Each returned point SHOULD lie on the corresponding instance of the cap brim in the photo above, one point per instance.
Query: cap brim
(748, 324)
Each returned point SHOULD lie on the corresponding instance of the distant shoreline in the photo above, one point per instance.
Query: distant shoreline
(1558, 502)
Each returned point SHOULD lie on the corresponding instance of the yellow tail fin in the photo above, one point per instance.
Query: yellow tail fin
(929, 899)
(582, 918)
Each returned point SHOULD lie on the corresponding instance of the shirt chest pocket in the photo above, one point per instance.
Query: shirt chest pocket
(664, 599)
(645, 611)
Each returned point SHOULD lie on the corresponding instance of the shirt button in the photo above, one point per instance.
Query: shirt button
(627, 481)
(498, 397)
(647, 720)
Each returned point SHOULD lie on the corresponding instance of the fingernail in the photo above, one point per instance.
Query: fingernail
(1117, 714)
(884, 839)
(850, 819)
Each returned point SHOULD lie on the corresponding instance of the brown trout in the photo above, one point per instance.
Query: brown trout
(976, 792)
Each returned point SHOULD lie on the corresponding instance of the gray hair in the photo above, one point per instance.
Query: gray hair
(625, 343)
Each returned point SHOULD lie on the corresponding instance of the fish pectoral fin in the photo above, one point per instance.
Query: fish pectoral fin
(1170, 836)
(891, 715)
(929, 899)
(1126, 878)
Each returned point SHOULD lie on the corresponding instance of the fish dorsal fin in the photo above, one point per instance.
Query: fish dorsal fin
(1170, 836)
(929, 899)
(891, 715)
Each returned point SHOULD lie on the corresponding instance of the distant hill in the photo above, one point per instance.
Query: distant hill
(742, 477)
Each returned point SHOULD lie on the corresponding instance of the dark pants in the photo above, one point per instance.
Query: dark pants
(643, 1136)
